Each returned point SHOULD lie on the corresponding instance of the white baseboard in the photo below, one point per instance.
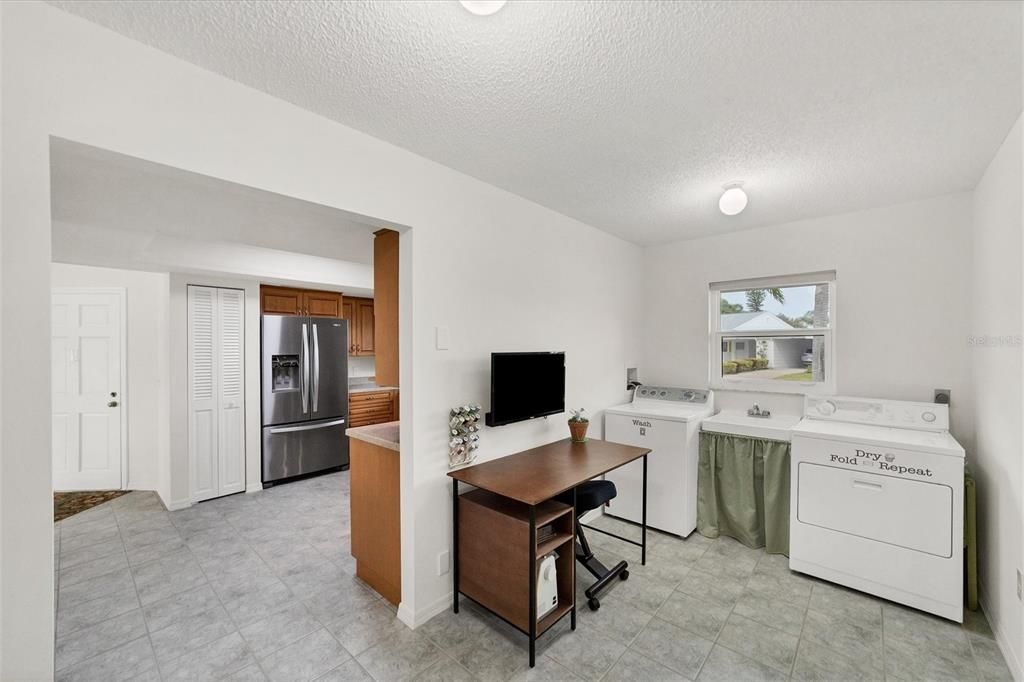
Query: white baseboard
(414, 620)
(1009, 655)
(173, 505)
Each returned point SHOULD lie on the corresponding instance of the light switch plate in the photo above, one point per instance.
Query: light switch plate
(442, 563)
(442, 337)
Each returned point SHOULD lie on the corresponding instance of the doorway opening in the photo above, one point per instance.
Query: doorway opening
(201, 264)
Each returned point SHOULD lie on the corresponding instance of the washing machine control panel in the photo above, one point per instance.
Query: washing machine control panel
(893, 413)
(671, 394)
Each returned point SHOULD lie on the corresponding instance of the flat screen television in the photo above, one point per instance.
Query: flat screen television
(525, 386)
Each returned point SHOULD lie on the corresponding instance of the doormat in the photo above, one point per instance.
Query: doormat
(69, 504)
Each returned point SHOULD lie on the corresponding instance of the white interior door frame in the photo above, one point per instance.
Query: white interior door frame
(122, 392)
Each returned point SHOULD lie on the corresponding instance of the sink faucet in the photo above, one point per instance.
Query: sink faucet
(756, 411)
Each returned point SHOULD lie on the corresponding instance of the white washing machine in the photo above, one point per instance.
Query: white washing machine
(877, 500)
(666, 420)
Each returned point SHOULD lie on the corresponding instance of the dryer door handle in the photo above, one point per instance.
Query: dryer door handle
(867, 485)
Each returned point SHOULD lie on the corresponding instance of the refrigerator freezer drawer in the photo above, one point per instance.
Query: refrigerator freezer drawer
(303, 448)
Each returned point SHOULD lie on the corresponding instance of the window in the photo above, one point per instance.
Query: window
(774, 334)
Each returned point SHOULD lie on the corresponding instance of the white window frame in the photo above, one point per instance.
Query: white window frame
(716, 336)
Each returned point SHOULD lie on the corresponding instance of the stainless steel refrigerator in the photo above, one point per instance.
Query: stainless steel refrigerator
(305, 395)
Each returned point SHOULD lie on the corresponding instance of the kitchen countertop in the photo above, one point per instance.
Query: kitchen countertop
(385, 435)
(367, 388)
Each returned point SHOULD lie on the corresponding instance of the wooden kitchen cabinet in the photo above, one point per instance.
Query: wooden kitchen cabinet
(323, 303)
(280, 301)
(364, 323)
(372, 407)
(348, 311)
(359, 313)
(276, 300)
(375, 513)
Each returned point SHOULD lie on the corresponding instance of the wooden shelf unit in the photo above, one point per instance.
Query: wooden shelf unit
(495, 556)
(554, 544)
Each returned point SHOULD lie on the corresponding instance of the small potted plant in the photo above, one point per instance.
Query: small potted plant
(578, 426)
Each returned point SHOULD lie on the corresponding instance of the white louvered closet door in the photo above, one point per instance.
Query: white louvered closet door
(216, 392)
(231, 385)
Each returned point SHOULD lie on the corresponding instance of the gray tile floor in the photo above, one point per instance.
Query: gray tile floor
(260, 586)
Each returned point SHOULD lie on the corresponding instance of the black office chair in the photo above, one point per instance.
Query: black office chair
(592, 495)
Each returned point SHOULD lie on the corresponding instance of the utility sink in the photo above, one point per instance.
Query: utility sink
(775, 427)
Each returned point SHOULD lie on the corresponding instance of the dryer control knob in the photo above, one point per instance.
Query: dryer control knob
(928, 416)
(827, 408)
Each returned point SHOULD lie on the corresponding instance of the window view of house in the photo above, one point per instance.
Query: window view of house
(775, 333)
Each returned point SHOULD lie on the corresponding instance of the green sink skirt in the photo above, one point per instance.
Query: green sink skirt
(743, 490)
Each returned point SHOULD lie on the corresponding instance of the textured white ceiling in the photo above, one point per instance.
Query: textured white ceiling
(631, 115)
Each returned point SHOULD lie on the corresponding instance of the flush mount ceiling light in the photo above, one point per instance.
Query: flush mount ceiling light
(483, 8)
(733, 200)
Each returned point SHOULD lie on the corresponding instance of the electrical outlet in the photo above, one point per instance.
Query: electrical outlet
(443, 561)
(942, 396)
(1020, 584)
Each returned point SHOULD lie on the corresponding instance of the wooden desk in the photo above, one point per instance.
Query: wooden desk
(522, 487)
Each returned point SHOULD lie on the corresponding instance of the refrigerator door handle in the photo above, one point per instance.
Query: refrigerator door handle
(304, 369)
(307, 427)
(316, 369)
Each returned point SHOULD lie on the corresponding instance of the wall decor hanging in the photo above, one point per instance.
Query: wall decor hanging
(463, 434)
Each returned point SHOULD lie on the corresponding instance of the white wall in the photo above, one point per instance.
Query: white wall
(996, 302)
(26, 536)
(901, 300)
(362, 366)
(139, 250)
(148, 380)
(3, 217)
(502, 272)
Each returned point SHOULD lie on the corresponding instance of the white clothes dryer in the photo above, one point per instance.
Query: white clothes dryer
(877, 500)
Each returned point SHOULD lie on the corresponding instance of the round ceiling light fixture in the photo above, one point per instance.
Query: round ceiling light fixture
(733, 200)
(483, 8)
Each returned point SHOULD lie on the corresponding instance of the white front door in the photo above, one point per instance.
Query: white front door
(86, 380)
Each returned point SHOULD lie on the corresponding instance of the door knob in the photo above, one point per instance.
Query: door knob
(112, 403)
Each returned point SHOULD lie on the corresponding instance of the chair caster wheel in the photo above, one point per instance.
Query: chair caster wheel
(623, 575)
(593, 603)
